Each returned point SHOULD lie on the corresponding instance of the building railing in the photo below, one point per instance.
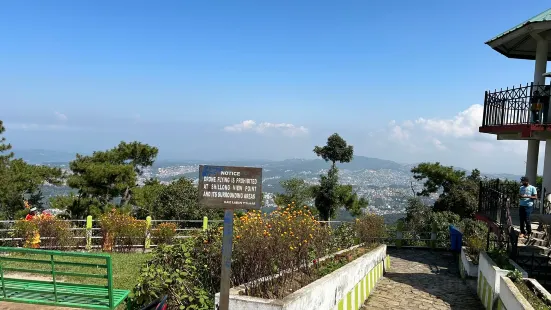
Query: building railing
(514, 106)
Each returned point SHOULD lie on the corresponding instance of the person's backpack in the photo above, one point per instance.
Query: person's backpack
(157, 304)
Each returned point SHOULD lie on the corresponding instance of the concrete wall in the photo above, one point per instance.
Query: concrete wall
(489, 275)
(466, 266)
(510, 298)
(345, 288)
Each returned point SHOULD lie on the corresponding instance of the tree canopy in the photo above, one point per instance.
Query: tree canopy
(329, 195)
(459, 190)
(295, 190)
(111, 174)
(20, 181)
(336, 150)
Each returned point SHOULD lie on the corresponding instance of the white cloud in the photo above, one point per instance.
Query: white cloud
(265, 127)
(60, 116)
(454, 140)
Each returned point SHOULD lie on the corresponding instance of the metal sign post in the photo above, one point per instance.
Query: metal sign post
(226, 260)
(229, 188)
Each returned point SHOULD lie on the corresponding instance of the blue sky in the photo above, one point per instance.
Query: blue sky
(83, 75)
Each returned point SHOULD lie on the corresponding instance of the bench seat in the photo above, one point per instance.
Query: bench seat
(68, 294)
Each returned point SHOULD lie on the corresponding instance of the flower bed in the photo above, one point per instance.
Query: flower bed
(347, 287)
(489, 279)
(521, 295)
(467, 267)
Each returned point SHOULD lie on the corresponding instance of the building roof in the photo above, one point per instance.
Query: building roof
(518, 41)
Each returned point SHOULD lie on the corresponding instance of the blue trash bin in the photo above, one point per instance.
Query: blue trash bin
(456, 238)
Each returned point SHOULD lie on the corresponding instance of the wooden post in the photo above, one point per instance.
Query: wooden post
(205, 223)
(399, 234)
(147, 233)
(88, 233)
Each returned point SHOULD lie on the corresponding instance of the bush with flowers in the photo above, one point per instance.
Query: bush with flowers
(46, 232)
(121, 231)
(164, 233)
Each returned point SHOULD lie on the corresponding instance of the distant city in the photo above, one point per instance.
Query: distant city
(386, 184)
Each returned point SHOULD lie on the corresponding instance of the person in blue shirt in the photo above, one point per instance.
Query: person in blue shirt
(528, 194)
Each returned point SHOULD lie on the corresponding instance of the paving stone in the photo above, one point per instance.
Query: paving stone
(421, 279)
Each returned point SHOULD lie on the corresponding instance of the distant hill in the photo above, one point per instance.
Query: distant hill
(44, 156)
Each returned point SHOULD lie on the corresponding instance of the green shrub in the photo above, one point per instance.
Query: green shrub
(172, 272)
(370, 228)
(164, 233)
(344, 236)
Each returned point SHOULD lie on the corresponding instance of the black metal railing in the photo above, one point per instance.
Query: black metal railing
(514, 106)
(495, 198)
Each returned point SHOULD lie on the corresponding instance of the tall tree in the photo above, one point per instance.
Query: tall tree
(110, 174)
(336, 150)
(459, 192)
(20, 181)
(329, 194)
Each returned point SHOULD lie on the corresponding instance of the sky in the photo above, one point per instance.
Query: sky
(399, 80)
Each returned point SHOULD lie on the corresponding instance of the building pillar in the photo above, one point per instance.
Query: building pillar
(534, 145)
(532, 160)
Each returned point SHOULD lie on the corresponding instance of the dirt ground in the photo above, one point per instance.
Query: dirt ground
(14, 306)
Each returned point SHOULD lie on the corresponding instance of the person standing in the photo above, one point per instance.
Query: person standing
(528, 194)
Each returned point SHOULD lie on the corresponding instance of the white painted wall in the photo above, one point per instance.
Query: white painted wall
(511, 297)
(470, 269)
(322, 294)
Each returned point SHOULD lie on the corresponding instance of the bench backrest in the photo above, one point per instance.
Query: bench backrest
(47, 260)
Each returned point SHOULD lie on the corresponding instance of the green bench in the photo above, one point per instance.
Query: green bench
(52, 291)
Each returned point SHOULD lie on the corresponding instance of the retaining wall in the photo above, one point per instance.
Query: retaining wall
(345, 288)
(489, 275)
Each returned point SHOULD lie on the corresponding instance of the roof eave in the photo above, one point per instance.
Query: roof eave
(524, 29)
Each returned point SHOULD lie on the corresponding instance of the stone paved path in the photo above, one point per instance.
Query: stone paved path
(420, 279)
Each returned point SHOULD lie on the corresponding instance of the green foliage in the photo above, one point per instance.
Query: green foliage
(296, 191)
(436, 177)
(172, 272)
(113, 173)
(501, 258)
(459, 191)
(20, 181)
(145, 197)
(121, 231)
(370, 228)
(515, 275)
(336, 150)
(327, 195)
(178, 201)
(344, 236)
(164, 233)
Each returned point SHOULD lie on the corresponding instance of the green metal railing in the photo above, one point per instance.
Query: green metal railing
(21, 289)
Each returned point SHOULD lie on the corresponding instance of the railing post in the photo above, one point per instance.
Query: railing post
(484, 121)
(147, 233)
(399, 234)
(88, 233)
(433, 236)
(205, 223)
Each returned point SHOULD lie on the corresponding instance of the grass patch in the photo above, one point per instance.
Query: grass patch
(531, 296)
(126, 268)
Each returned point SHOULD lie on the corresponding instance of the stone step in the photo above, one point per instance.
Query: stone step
(529, 249)
(534, 241)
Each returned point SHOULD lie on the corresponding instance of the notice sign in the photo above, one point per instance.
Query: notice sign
(227, 187)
